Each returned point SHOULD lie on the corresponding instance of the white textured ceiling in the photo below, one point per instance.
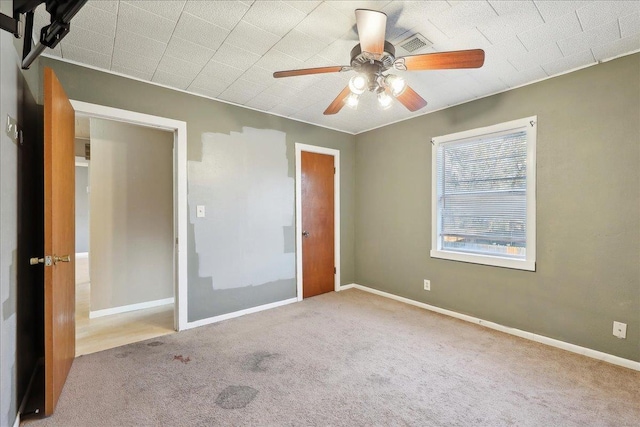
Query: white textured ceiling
(228, 50)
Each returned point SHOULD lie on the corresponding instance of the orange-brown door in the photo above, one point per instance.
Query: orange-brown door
(59, 238)
(318, 250)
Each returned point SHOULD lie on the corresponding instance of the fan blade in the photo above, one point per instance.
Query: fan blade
(305, 71)
(473, 58)
(410, 99)
(372, 26)
(338, 103)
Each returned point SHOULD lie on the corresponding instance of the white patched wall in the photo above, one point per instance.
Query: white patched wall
(244, 184)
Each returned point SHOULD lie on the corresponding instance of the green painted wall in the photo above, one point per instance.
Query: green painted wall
(588, 211)
(588, 220)
(206, 116)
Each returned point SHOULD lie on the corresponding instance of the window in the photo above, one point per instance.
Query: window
(483, 195)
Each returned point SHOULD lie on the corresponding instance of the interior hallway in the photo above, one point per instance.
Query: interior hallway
(102, 333)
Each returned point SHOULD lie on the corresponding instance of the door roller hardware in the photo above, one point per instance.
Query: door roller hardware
(305, 233)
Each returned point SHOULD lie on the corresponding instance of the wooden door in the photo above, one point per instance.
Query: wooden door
(318, 250)
(59, 238)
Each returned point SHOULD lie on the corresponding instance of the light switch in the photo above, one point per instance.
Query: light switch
(200, 211)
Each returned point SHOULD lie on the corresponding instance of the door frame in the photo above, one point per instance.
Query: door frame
(299, 147)
(179, 129)
(82, 163)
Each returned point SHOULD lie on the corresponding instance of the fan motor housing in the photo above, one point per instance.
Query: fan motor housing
(370, 63)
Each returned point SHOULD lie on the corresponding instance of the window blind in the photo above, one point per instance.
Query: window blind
(482, 188)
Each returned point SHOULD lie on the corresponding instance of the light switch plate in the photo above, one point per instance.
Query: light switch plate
(620, 329)
(200, 211)
(12, 128)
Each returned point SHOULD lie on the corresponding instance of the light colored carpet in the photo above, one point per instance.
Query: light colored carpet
(344, 359)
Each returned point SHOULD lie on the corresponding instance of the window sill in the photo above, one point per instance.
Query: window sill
(493, 261)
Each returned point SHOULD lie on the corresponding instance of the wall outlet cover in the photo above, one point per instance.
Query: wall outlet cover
(200, 212)
(427, 285)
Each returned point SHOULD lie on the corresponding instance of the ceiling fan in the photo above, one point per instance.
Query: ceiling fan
(373, 56)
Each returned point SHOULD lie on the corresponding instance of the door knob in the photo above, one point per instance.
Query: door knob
(49, 260)
(64, 258)
(305, 233)
(46, 261)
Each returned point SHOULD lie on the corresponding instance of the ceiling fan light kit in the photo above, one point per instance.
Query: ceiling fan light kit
(396, 84)
(353, 100)
(358, 84)
(384, 100)
(374, 56)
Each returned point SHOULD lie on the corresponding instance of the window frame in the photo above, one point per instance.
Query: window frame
(529, 263)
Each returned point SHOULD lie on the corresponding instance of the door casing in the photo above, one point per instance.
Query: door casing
(336, 194)
(179, 129)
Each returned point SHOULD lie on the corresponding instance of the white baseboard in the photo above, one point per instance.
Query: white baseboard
(82, 254)
(239, 313)
(131, 307)
(17, 422)
(594, 354)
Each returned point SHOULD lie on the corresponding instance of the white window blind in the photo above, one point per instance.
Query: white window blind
(482, 179)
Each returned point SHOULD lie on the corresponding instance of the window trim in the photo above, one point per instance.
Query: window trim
(529, 263)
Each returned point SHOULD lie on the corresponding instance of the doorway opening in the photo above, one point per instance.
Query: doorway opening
(310, 200)
(130, 279)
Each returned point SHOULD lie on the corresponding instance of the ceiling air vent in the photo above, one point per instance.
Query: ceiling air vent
(414, 43)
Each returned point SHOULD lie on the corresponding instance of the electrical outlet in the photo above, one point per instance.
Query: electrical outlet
(620, 330)
(427, 285)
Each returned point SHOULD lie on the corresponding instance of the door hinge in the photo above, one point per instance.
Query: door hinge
(334, 270)
(334, 171)
(176, 240)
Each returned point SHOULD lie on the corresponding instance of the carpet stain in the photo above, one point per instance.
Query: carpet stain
(236, 396)
(155, 343)
(362, 349)
(184, 360)
(259, 361)
(306, 314)
(379, 379)
(123, 355)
